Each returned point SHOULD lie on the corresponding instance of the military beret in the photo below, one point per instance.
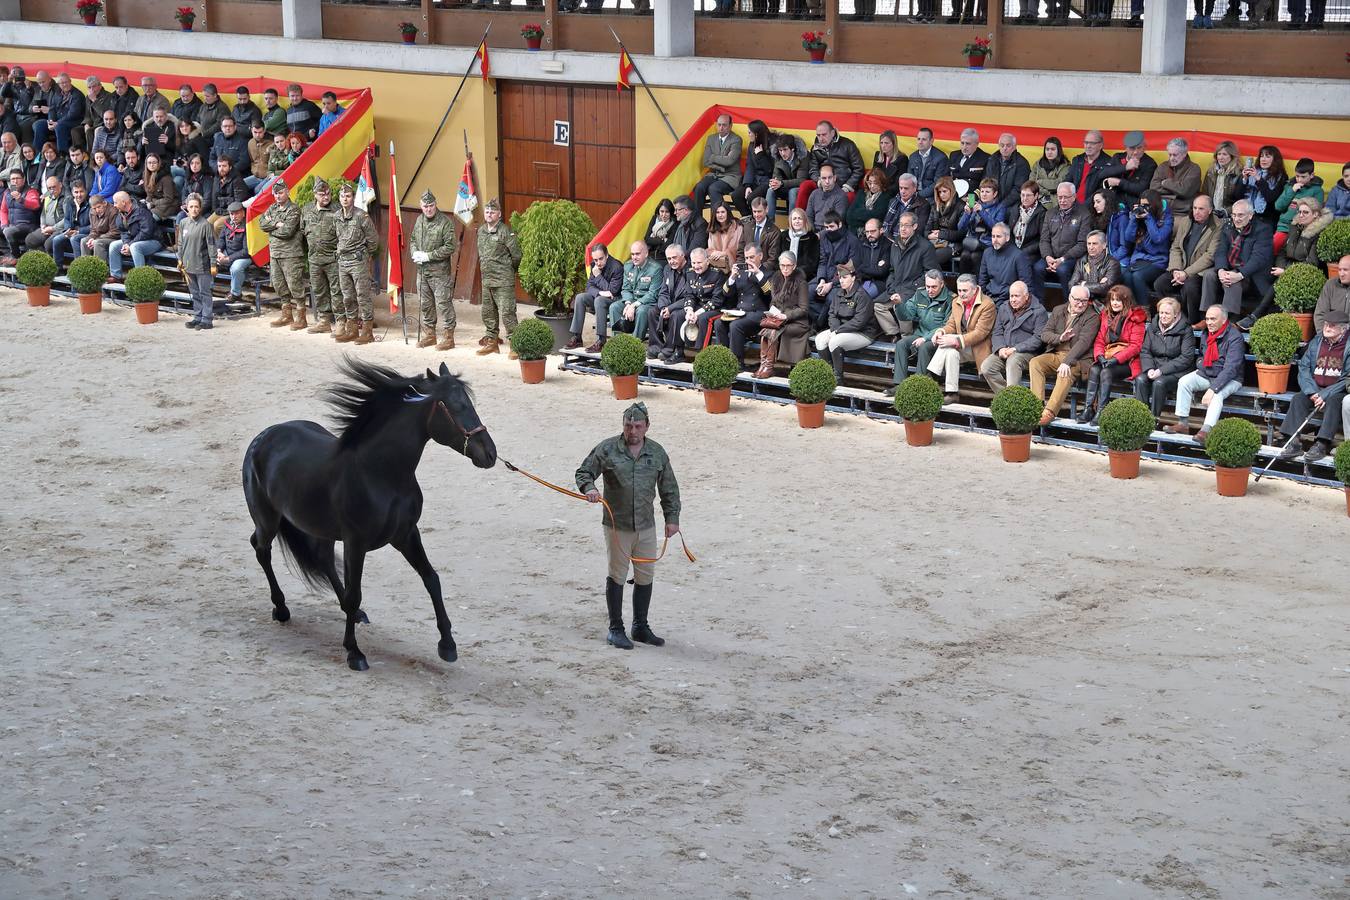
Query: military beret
(428, 197)
(636, 413)
(320, 186)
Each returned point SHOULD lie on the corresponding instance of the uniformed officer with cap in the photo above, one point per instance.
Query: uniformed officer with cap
(318, 220)
(433, 248)
(498, 259)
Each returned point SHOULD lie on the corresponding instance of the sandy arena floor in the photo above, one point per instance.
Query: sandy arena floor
(894, 672)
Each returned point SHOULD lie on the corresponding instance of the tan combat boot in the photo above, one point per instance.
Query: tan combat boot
(490, 345)
(348, 332)
(284, 319)
(300, 323)
(321, 326)
(427, 339)
(339, 326)
(447, 340)
(365, 333)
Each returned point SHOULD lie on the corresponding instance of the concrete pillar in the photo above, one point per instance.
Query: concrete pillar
(1163, 51)
(9, 11)
(301, 19)
(673, 28)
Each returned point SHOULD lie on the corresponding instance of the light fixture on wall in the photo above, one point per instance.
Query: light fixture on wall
(551, 66)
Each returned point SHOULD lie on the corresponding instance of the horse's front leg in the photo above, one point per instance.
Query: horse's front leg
(412, 550)
(353, 561)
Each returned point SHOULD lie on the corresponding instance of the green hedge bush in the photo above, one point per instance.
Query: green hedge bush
(716, 367)
(1016, 410)
(144, 284)
(1342, 460)
(1275, 339)
(1334, 241)
(532, 339)
(1297, 289)
(812, 381)
(1125, 424)
(35, 269)
(553, 236)
(918, 399)
(1233, 443)
(624, 354)
(87, 275)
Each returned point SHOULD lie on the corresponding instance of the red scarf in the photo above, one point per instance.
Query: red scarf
(1211, 357)
(1083, 181)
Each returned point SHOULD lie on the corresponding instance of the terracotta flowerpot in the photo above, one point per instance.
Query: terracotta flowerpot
(1232, 482)
(810, 415)
(625, 386)
(1016, 447)
(1347, 499)
(1124, 463)
(1304, 321)
(817, 54)
(533, 43)
(975, 60)
(185, 26)
(409, 38)
(1272, 379)
(90, 304)
(1333, 270)
(39, 295)
(90, 18)
(532, 370)
(717, 401)
(919, 434)
(147, 313)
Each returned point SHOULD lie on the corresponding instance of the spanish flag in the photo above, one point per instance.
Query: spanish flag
(394, 243)
(481, 54)
(625, 69)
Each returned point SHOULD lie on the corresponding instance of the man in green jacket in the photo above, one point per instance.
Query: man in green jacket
(498, 259)
(635, 471)
(641, 285)
(356, 244)
(928, 310)
(286, 246)
(319, 222)
(433, 248)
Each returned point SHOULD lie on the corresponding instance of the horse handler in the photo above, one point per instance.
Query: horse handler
(635, 470)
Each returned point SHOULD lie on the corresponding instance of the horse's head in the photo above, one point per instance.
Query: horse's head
(451, 418)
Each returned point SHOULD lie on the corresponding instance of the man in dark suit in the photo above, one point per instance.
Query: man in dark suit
(760, 231)
(968, 163)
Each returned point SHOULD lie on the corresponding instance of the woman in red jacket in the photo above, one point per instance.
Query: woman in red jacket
(1116, 351)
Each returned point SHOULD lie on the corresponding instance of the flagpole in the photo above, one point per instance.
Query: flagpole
(469, 68)
(638, 72)
(395, 210)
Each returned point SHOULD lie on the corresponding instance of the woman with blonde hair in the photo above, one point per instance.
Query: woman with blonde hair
(1224, 175)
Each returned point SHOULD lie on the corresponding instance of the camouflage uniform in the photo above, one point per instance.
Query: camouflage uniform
(356, 242)
(319, 224)
(281, 222)
(498, 258)
(436, 277)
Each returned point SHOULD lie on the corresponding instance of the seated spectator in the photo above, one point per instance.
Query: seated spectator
(131, 134)
(1167, 353)
(76, 225)
(871, 202)
(143, 106)
(159, 136)
(1104, 212)
(1089, 167)
(691, 232)
(1338, 201)
(1115, 354)
(1222, 184)
(841, 155)
(259, 145)
(977, 224)
(1177, 181)
(661, 229)
(197, 179)
(604, 285)
(888, 159)
(212, 112)
(228, 142)
(51, 163)
(759, 158)
(1063, 238)
(18, 215)
(108, 136)
(78, 170)
(705, 301)
(1131, 172)
(65, 114)
(187, 108)
(1194, 240)
(1070, 332)
(1335, 294)
(245, 112)
(1148, 232)
(274, 114)
(133, 174)
(1322, 373)
(906, 200)
(1263, 183)
(1096, 270)
(873, 262)
(51, 217)
(1016, 338)
(1242, 261)
(302, 115)
(911, 256)
(227, 187)
(667, 317)
(944, 223)
(331, 111)
(1219, 374)
(1024, 221)
(927, 164)
(102, 229)
(849, 325)
(641, 284)
(967, 164)
(826, 198)
(724, 238)
(295, 146)
(791, 167)
(138, 235)
(925, 312)
(161, 194)
(1002, 264)
(1305, 183)
(803, 243)
(1050, 171)
(761, 232)
(1008, 168)
(746, 291)
(837, 246)
(1301, 246)
(788, 301)
(722, 159)
(232, 251)
(964, 337)
(189, 145)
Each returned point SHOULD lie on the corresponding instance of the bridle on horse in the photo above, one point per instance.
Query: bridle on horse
(440, 405)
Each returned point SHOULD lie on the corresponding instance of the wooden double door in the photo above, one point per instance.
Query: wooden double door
(563, 141)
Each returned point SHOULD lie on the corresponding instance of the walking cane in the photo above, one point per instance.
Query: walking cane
(1298, 432)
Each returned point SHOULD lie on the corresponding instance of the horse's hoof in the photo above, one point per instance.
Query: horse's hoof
(357, 662)
(447, 651)
(362, 618)
(281, 614)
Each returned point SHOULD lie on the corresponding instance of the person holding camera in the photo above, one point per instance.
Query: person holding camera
(1148, 234)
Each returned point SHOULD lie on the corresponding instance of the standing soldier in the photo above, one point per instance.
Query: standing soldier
(319, 222)
(281, 222)
(498, 257)
(433, 250)
(356, 244)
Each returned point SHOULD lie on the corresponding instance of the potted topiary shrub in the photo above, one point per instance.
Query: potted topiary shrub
(1233, 444)
(36, 271)
(811, 382)
(532, 341)
(1342, 460)
(1296, 293)
(553, 235)
(145, 287)
(918, 400)
(1333, 243)
(624, 357)
(1124, 428)
(715, 369)
(1274, 343)
(1016, 413)
(87, 275)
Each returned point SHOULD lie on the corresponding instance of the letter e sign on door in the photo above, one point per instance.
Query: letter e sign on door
(562, 133)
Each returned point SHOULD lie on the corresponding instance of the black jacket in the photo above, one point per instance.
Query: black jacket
(808, 253)
(226, 191)
(1010, 175)
(908, 263)
(844, 156)
(1131, 184)
(874, 260)
(674, 294)
(1172, 351)
(971, 168)
(1021, 331)
(746, 292)
(852, 313)
(610, 279)
(705, 290)
(1096, 172)
(691, 234)
(1031, 239)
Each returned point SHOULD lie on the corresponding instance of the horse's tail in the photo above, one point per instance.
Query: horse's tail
(311, 558)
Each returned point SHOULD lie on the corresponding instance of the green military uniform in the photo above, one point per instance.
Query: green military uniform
(631, 484)
(281, 223)
(498, 259)
(436, 277)
(356, 243)
(641, 284)
(319, 224)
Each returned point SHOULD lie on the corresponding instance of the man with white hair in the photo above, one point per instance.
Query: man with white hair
(1219, 374)
(65, 112)
(1064, 234)
(969, 162)
(1009, 168)
(1242, 261)
(1089, 167)
(907, 200)
(1132, 170)
(1321, 386)
(964, 338)
(1178, 179)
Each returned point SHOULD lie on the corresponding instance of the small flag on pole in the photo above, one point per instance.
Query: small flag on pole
(466, 198)
(482, 55)
(394, 262)
(365, 183)
(625, 69)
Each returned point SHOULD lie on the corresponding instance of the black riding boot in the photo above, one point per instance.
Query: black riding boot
(1089, 396)
(1103, 397)
(642, 601)
(614, 600)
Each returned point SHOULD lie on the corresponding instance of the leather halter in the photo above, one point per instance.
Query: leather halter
(467, 433)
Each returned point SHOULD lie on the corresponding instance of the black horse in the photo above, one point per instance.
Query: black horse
(313, 488)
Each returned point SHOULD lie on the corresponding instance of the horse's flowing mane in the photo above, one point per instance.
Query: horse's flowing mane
(374, 393)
